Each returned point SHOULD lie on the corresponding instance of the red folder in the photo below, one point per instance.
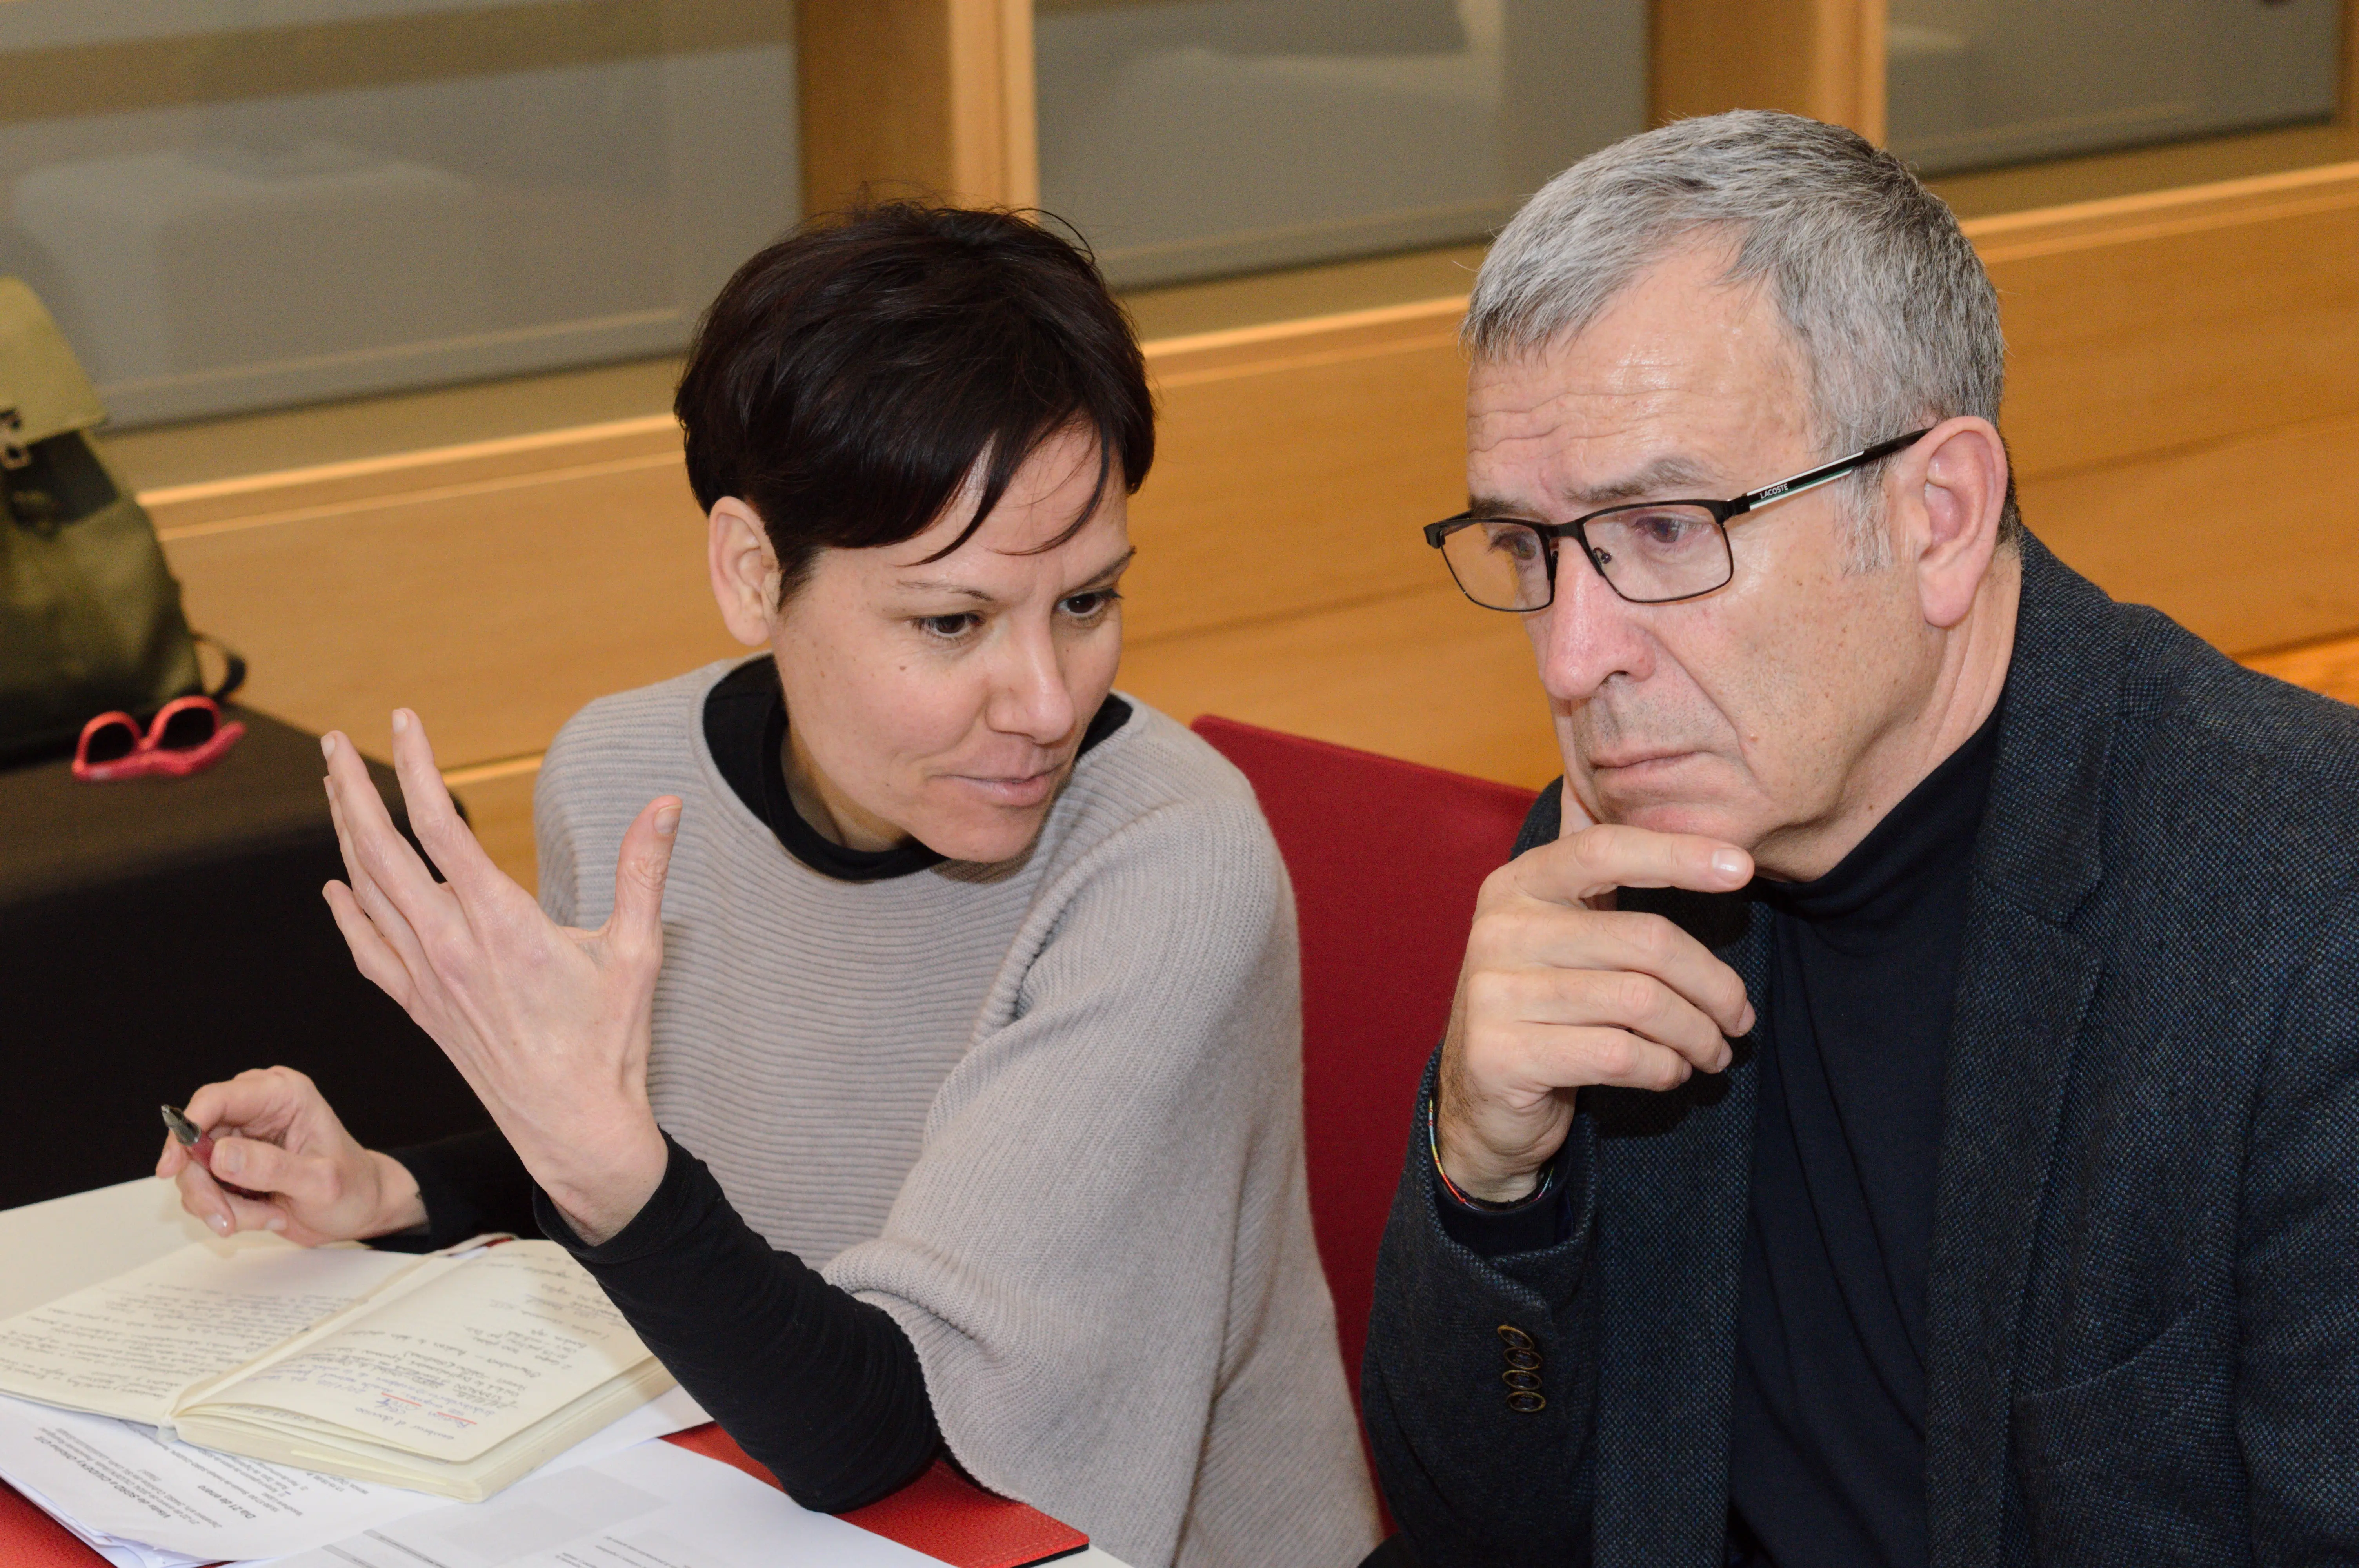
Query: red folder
(942, 1513)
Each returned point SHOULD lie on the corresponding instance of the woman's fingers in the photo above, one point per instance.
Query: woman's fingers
(264, 1167)
(378, 847)
(435, 819)
(637, 926)
(373, 956)
(265, 1099)
(390, 924)
(201, 1196)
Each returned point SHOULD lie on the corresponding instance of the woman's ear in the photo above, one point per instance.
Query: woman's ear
(745, 571)
(1964, 495)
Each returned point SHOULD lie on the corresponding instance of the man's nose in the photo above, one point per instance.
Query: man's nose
(1029, 696)
(1588, 635)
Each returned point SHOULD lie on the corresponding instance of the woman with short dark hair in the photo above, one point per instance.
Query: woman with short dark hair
(970, 984)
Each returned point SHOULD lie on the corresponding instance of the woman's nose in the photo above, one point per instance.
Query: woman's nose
(1030, 698)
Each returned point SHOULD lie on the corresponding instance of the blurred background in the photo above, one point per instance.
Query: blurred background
(385, 297)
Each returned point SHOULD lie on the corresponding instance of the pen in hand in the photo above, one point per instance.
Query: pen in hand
(199, 1146)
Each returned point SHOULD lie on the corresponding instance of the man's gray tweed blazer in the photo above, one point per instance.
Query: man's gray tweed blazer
(2144, 1310)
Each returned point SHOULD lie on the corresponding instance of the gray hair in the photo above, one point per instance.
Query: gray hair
(1893, 319)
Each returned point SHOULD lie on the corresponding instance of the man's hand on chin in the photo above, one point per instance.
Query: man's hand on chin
(1561, 990)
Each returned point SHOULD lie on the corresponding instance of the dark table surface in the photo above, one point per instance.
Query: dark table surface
(159, 933)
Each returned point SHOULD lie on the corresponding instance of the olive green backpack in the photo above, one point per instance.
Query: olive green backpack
(89, 615)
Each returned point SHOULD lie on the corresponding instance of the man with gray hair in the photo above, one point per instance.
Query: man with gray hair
(1901, 1103)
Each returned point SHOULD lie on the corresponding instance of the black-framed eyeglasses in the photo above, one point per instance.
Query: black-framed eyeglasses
(1649, 552)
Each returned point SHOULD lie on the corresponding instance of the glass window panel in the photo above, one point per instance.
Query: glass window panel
(236, 204)
(1192, 137)
(1979, 82)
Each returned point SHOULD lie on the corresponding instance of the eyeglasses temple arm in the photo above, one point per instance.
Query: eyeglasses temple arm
(1828, 474)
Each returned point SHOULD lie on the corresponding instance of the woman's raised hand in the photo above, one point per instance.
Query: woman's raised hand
(273, 1133)
(548, 1025)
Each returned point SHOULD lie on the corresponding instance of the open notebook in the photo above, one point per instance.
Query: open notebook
(451, 1374)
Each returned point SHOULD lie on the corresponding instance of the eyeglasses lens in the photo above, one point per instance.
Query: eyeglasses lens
(1500, 565)
(111, 743)
(1651, 554)
(188, 730)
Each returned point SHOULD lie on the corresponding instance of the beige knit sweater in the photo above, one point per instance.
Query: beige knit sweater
(1048, 1114)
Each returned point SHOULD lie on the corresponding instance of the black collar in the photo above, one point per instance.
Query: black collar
(1925, 840)
(745, 730)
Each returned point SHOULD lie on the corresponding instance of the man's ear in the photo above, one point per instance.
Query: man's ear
(1963, 494)
(745, 571)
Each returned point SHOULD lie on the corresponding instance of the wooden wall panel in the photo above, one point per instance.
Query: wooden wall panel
(1821, 58)
(935, 95)
(2150, 323)
(494, 609)
(1421, 675)
(2250, 543)
(1295, 466)
(2332, 666)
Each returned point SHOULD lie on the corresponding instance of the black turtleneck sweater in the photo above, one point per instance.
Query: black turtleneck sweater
(1827, 1446)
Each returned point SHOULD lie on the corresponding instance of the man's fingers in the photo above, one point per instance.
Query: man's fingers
(1583, 1056)
(1581, 866)
(640, 868)
(1621, 1000)
(434, 818)
(1546, 935)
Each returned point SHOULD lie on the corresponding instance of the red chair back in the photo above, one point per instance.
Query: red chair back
(1386, 858)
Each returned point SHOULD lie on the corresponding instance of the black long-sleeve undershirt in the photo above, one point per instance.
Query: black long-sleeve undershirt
(822, 1388)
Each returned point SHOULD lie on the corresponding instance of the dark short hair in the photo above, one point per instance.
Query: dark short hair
(851, 376)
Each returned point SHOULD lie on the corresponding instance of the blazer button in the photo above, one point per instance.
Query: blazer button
(1524, 1402)
(1522, 1383)
(1524, 1360)
(1515, 1337)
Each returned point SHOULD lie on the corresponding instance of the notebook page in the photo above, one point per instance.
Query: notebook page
(126, 1348)
(464, 1361)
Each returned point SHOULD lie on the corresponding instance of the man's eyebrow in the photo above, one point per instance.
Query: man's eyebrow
(1661, 479)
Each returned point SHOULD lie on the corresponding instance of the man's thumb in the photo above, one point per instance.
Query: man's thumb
(640, 870)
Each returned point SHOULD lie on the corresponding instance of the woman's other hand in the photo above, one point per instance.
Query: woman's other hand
(274, 1133)
(549, 1025)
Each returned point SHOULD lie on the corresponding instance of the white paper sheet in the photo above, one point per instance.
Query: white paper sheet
(657, 1506)
(115, 1482)
(468, 1358)
(126, 1348)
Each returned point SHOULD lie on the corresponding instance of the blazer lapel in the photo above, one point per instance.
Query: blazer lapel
(2024, 989)
(1672, 1175)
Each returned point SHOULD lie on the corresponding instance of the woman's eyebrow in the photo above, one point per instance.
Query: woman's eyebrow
(1113, 569)
(980, 596)
(936, 585)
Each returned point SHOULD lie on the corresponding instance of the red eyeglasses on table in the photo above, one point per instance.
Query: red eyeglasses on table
(187, 735)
